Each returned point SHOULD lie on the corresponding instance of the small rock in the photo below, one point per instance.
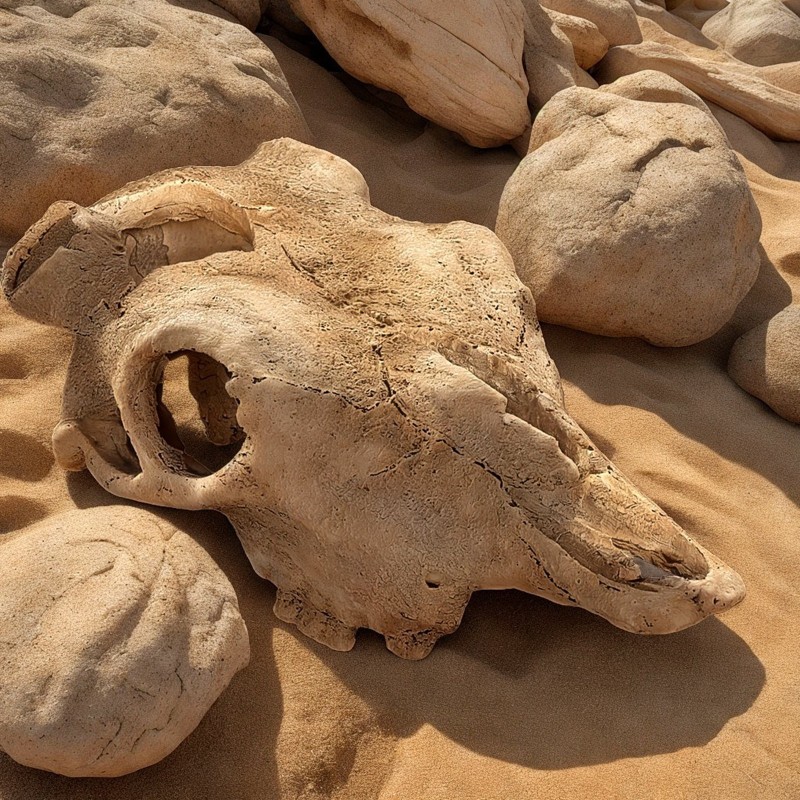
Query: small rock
(117, 634)
(765, 362)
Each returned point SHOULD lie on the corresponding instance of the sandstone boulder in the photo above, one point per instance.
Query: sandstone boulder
(588, 44)
(631, 218)
(615, 19)
(696, 12)
(459, 65)
(117, 633)
(747, 91)
(765, 362)
(759, 32)
(248, 12)
(113, 91)
(654, 87)
(549, 57)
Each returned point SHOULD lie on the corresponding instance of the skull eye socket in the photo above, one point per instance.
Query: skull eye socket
(196, 415)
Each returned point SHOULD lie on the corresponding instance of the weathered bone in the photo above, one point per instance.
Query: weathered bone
(405, 442)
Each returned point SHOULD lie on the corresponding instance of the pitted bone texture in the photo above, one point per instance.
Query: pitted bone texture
(95, 93)
(632, 217)
(403, 440)
(117, 634)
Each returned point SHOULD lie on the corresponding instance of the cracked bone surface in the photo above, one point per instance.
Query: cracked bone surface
(117, 634)
(402, 440)
(632, 217)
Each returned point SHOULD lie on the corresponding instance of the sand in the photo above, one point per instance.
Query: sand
(527, 699)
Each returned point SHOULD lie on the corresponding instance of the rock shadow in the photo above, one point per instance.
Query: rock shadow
(18, 512)
(689, 387)
(22, 457)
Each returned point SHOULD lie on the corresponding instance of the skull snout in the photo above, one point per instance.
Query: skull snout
(590, 538)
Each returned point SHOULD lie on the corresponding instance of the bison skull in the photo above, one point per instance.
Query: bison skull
(403, 436)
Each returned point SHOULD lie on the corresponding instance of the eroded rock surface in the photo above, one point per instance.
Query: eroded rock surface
(759, 32)
(95, 93)
(765, 362)
(752, 93)
(588, 44)
(615, 19)
(458, 65)
(630, 217)
(117, 634)
(402, 440)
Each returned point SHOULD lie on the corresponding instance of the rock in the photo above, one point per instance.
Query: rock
(654, 87)
(280, 12)
(615, 19)
(759, 32)
(111, 92)
(740, 88)
(457, 65)
(550, 62)
(248, 12)
(117, 634)
(765, 362)
(631, 218)
(588, 44)
(696, 12)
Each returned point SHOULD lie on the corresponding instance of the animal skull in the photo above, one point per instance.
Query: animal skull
(403, 436)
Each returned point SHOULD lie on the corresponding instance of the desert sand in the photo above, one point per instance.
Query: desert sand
(526, 699)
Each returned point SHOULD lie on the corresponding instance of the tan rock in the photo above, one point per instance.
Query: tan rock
(696, 12)
(655, 87)
(248, 12)
(588, 44)
(401, 424)
(631, 218)
(117, 634)
(737, 87)
(112, 92)
(765, 362)
(615, 19)
(759, 32)
(457, 65)
(549, 58)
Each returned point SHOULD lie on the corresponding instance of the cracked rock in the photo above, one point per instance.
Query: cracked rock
(117, 634)
(109, 91)
(459, 65)
(632, 217)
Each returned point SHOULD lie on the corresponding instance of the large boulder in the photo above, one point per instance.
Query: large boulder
(248, 12)
(632, 217)
(550, 57)
(459, 65)
(615, 19)
(95, 93)
(588, 44)
(768, 102)
(759, 32)
(117, 633)
(765, 362)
